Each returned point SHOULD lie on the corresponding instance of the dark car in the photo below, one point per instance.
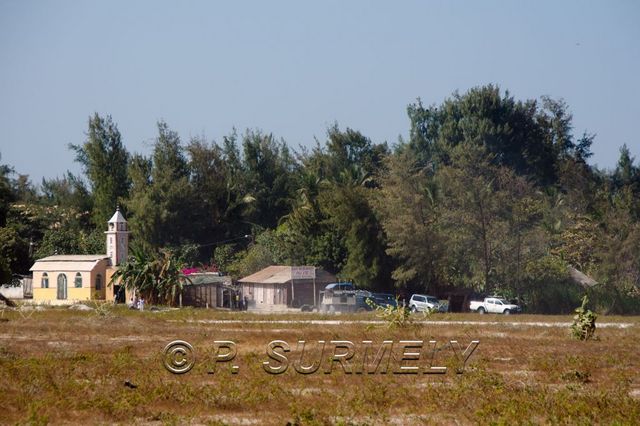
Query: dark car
(384, 299)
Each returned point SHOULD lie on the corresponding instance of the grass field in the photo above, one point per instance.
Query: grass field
(106, 366)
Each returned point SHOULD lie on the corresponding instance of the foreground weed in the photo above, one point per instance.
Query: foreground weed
(103, 309)
(584, 322)
(394, 316)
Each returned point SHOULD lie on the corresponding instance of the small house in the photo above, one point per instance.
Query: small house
(280, 287)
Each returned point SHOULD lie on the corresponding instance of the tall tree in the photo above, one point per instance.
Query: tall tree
(269, 169)
(6, 192)
(408, 205)
(524, 136)
(104, 160)
(161, 199)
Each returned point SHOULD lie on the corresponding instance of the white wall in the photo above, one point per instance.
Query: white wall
(12, 292)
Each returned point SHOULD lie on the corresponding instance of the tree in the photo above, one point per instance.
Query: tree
(523, 136)
(348, 210)
(408, 205)
(11, 249)
(6, 192)
(473, 200)
(268, 176)
(104, 160)
(70, 240)
(625, 173)
(69, 192)
(157, 275)
(160, 203)
(218, 192)
(268, 249)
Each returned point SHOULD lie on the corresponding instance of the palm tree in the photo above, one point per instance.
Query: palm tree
(156, 276)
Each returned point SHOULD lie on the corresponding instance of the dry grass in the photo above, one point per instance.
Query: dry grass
(62, 366)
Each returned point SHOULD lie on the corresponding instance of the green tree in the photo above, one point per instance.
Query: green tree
(408, 205)
(268, 175)
(219, 197)
(6, 192)
(347, 206)
(332, 223)
(104, 160)
(268, 249)
(526, 137)
(70, 192)
(156, 275)
(12, 250)
(473, 200)
(160, 203)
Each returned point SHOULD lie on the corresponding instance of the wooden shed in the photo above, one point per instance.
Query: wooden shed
(207, 290)
(277, 287)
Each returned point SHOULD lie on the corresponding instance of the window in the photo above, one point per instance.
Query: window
(62, 286)
(98, 282)
(78, 280)
(44, 283)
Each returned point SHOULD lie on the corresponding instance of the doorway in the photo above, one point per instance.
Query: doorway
(62, 286)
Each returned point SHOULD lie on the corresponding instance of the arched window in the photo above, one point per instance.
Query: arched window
(62, 286)
(44, 283)
(98, 282)
(78, 280)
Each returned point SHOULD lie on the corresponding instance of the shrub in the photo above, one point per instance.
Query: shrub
(395, 316)
(584, 322)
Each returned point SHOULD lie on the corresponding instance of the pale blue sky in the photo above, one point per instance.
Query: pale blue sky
(293, 68)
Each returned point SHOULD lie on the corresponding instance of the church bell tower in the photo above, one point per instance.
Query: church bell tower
(117, 239)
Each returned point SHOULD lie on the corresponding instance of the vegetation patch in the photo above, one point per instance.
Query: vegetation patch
(115, 373)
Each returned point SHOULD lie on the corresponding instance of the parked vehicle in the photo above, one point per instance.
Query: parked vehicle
(424, 303)
(494, 305)
(384, 299)
(343, 297)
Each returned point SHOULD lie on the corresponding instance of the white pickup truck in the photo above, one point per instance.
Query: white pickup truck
(494, 305)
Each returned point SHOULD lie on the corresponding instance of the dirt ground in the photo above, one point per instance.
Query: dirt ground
(109, 365)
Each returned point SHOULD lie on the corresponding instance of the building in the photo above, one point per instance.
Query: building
(65, 279)
(281, 287)
(207, 290)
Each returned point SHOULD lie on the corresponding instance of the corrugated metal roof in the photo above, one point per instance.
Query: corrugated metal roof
(275, 274)
(71, 263)
(279, 274)
(207, 278)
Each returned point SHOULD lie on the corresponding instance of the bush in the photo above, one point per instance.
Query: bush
(395, 316)
(584, 322)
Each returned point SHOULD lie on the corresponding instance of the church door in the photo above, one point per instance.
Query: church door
(62, 286)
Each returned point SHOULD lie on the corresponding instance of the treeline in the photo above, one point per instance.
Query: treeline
(488, 194)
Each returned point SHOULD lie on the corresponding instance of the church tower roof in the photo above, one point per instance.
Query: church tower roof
(117, 217)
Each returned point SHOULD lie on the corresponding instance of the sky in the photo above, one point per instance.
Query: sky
(294, 68)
